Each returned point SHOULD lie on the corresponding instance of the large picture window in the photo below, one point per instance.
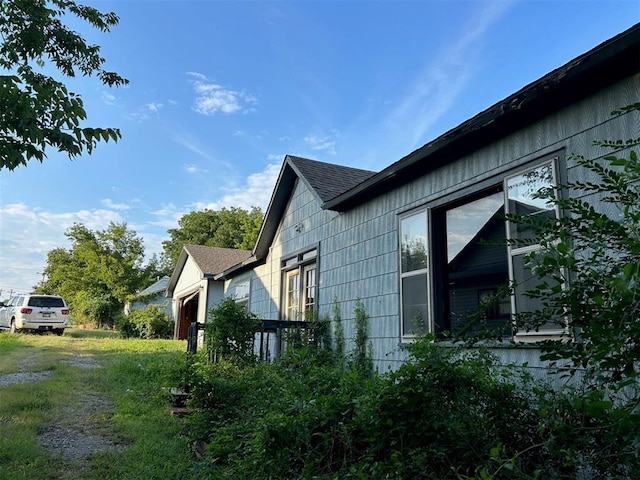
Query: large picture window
(475, 269)
(456, 267)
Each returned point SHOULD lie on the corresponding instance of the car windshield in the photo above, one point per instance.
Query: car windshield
(46, 302)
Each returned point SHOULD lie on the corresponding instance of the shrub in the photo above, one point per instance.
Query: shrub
(151, 322)
(230, 332)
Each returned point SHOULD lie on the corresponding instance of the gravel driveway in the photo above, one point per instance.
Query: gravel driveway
(76, 433)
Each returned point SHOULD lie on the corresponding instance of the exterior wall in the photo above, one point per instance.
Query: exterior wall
(156, 299)
(215, 293)
(358, 254)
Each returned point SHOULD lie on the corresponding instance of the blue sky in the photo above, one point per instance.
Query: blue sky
(220, 91)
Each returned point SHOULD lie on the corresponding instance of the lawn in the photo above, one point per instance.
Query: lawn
(91, 406)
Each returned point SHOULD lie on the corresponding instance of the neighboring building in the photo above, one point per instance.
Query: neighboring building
(154, 294)
(416, 242)
(193, 288)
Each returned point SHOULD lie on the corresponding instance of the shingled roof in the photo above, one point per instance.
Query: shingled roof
(215, 260)
(327, 179)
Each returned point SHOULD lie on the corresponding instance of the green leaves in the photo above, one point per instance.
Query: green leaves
(38, 113)
(98, 273)
(228, 227)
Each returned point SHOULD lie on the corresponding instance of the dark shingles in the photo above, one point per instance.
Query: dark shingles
(215, 260)
(327, 179)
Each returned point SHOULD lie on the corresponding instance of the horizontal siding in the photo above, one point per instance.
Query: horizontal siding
(358, 249)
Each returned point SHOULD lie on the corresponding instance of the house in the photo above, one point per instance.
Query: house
(405, 241)
(193, 288)
(154, 294)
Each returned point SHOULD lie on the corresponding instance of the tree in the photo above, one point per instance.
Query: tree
(98, 272)
(228, 228)
(36, 110)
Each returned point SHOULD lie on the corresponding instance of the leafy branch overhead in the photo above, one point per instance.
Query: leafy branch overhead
(37, 111)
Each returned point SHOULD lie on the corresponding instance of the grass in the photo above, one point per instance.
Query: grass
(130, 379)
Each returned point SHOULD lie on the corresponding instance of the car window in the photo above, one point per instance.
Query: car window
(46, 302)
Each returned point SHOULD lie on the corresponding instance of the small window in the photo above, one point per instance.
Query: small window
(241, 293)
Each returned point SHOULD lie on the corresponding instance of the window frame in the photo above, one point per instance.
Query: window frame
(435, 212)
(246, 299)
(519, 335)
(426, 271)
(299, 264)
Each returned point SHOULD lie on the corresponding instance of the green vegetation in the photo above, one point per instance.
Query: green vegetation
(228, 228)
(589, 268)
(38, 111)
(150, 322)
(230, 332)
(97, 384)
(98, 273)
(456, 413)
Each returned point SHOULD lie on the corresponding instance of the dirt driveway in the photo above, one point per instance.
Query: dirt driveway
(58, 406)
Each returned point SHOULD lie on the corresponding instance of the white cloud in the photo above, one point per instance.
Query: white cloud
(154, 106)
(197, 75)
(321, 142)
(256, 192)
(108, 98)
(22, 260)
(212, 98)
(190, 144)
(193, 169)
(107, 202)
(167, 216)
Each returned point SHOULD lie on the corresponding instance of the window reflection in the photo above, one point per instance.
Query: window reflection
(523, 192)
(414, 242)
(477, 269)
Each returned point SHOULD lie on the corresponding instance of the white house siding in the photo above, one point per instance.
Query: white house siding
(358, 249)
(190, 281)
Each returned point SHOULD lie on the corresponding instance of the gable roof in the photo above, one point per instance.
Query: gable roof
(609, 62)
(325, 180)
(214, 260)
(159, 286)
(211, 261)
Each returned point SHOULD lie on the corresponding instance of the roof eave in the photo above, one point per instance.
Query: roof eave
(605, 64)
(277, 205)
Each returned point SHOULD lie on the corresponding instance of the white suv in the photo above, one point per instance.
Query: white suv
(42, 313)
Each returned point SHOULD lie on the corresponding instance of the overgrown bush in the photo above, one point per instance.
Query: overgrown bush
(151, 322)
(230, 332)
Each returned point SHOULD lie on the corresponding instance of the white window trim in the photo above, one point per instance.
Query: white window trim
(408, 337)
(542, 334)
(299, 263)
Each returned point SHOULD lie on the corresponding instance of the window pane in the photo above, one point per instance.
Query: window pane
(522, 191)
(293, 295)
(310, 289)
(478, 267)
(525, 280)
(242, 292)
(415, 309)
(413, 238)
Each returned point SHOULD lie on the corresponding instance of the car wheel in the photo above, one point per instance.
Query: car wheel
(59, 332)
(13, 328)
